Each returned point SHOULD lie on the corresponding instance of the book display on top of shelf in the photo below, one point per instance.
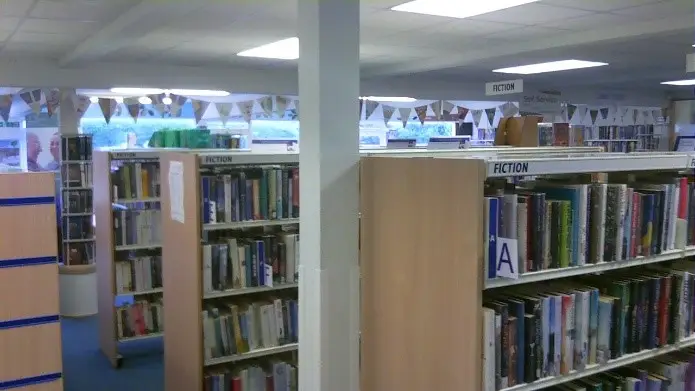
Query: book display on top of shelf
(241, 279)
(76, 200)
(582, 281)
(129, 260)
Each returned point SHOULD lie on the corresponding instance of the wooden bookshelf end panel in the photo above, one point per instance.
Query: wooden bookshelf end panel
(21, 283)
(37, 220)
(420, 261)
(33, 350)
(182, 269)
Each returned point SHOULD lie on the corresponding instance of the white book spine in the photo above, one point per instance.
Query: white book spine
(674, 215)
(489, 350)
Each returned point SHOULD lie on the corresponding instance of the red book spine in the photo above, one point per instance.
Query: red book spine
(663, 310)
(635, 224)
(295, 188)
(236, 384)
(683, 198)
(269, 383)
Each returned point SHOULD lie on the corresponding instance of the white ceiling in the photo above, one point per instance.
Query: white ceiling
(645, 41)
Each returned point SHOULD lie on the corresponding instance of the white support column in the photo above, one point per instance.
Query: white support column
(67, 115)
(329, 187)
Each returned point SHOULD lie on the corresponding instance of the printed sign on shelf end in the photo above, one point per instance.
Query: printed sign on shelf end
(507, 258)
(451, 142)
(504, 87)
(403, 143)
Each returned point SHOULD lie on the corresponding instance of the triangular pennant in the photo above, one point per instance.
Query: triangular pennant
(5, 107)
(436, 107)
(477, 117)
(462, 113)
(246, 109)
(133, 106)
(490, 113)
(421, 112)
(361, 104)
(199, 108)
(581, 114)
(281, 105)
(296, 106)
(224, 109)
(604, 113)
(571, 109)
(404, 113)
(388, 112)
(656, 114)
(108, 108)
(447, 109)
(52, 100)
(177, 102)
(32, 99)
(594, 114)
(158, 104)
(266, 105)
(370, 107)
(81, 104)
(635, 114)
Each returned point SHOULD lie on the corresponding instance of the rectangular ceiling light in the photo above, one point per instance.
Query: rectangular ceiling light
(456, 9)
(286, 49)
(554, 66)
(404, 99)
(690, 82)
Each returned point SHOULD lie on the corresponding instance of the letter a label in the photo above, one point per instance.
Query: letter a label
(507, 258)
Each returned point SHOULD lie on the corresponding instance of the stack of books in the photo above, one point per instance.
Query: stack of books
(138, 274)
(139, 319)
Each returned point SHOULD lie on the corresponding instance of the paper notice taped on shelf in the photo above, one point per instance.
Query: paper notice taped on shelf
(176, 191)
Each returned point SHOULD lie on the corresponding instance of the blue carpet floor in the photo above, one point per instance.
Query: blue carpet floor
(86, 369)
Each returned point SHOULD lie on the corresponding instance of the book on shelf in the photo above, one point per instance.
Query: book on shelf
(76, 201)
(77, 227)
(138, 274)
(584, 322)
(133, 181)
(138, 227)
(250, 194)
(76, 148)
(275, 376)
(559, 224)
(141, 318)
(251, 261)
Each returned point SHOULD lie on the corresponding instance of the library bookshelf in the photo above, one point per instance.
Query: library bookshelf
(129, 261)
(248, 254)
(400, 350)
(30, 357)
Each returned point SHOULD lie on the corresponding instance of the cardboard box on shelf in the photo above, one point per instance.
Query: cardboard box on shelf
(518, 131)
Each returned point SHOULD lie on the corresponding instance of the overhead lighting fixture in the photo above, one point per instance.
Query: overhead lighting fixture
(198, 92)
(137, 91)
(94, 99)
(118, 99)
(690, 82)
(157, 91)
(554, 66)
(454, 9)
(388, 98)
(167, 100)
(286, 49)
(144, 100)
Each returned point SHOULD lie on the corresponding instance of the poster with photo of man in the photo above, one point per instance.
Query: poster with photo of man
(43, 149)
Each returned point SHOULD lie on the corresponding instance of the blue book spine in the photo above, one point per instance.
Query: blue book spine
(552, 371)
(260, 253)
(242, 197)
(295, 320)
(494, 222)
(205, 184)
(235, 199)
(248, 205)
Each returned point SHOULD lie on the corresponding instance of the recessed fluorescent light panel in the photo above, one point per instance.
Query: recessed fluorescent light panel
(457, 8)
(554, 66)
(157, 91)
(287, 49)
(388, 98)
(690, 82)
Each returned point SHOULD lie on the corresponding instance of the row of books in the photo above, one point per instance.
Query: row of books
(663, 373)
(138, 274)
(252, 194)
(76, 201)
(76, 175)
(225, 141)
(138, 226)
(559, 224)
(614, 145)
(77, 227)
(230, 329)
(140, 319)
(136, 181)
(274, 376)
(76, 148)
(533, 332)
(244, 262)
(77, 253)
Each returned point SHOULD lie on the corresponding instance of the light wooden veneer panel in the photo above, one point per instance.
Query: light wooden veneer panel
(21, 284)
(55, 385)
(28, 231)
(20, 185)
(34, 350)
(421, 267)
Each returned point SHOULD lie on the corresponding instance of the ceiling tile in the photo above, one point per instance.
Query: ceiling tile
(4, 35)
(9, 23)
(662, 10)
(464, 28)
(58, 39)
(15, 7)
(526, 33)
(599, 5)
(51, 26)
(34, 49)
(533, 13)
(80, 10)
(391, 21)
(588, 22)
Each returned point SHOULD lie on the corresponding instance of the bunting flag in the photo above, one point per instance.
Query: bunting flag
(177, 102)
(199, 108)
(594, 114)
(281, 104)
(571, 109)
(370, 107)
(437, 109)
(296, 106)
(266, 105)
(224, 109)
(635, 114)
(477, 117)
(52, 100)
(657, 115)
(421, 112)
(388, 112)
(361, 103)
(604, 113)
(32, 99)
(5, 107)
(404, 113)
(509, 109)
(447, 109)
(491, 116)
(108, 108)
(462, 113)
(81, 104)
(133, 107)
(158, 104)
(246, 109)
